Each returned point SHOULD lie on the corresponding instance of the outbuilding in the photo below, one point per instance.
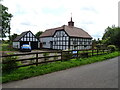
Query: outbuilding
(26, 37)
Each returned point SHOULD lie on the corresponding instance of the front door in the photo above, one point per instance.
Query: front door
(51, 44)
(41, 45)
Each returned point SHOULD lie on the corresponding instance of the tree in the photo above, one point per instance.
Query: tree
(12, 37)
(112, 36)
(38, 34)
(5, 19)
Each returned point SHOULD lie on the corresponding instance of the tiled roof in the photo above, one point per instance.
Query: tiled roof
(20, 36)
(70, 30)
(50, 32)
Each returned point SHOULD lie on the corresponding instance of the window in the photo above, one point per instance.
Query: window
(89, 42)
(74, 42)
(55, 43)
(80, 43)
(44, 43)
(85, 43)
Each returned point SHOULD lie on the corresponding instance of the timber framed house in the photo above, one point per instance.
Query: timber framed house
(66, 37)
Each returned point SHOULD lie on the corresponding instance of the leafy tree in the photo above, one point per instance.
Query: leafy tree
(5, 19)
(112, 36)
(94, 42)
(12, 37)
(38, 34)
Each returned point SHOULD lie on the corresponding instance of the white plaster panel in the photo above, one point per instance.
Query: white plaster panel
(47, 40)
(21, 39)
(31, 35)
(16, 45)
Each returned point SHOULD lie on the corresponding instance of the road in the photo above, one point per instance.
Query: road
(97, 75)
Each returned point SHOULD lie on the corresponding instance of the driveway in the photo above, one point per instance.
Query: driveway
(34, 55)
(97, 75)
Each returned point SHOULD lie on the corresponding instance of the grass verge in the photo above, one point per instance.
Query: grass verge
(30, 71)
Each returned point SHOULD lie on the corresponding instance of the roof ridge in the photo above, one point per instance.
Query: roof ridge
(53, 28)
(72, 31)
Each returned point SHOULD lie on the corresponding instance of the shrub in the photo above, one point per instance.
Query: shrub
(66, 55)
(10, 66)
(45, 55)
(111, 47)
(84, 54)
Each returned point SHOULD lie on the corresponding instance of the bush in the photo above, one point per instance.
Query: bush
(10, 66)
(7, 47)
(111, 47)
(66, 55)
(84, 54)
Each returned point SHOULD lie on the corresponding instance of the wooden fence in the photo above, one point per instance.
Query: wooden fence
(40, 58)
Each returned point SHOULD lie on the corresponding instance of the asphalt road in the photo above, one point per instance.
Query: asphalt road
(97, 75)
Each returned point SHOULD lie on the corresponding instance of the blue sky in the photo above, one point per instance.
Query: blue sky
(93, 16)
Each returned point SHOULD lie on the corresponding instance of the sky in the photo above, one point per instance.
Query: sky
(93, 16)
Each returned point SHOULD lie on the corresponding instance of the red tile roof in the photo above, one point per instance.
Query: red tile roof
(70, 30)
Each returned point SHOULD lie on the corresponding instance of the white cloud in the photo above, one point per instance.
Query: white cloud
(91, 15)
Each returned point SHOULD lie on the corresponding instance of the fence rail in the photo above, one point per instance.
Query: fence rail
(39, 58)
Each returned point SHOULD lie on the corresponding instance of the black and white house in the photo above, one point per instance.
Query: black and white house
(26, 38)
(66, 37)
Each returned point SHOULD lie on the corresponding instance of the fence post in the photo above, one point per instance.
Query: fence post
(36, 59)
(103, 51)
(61, 55)
(77, 54)
(92, 51)
(97, 51)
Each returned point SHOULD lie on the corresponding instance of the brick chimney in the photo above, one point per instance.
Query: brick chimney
(71, 23)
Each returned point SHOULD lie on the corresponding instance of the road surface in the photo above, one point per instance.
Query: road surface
(97, 75)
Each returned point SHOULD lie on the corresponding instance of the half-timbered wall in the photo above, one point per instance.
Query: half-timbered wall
(60, 40)
(28, 37)
(46, 42)
(80, 43)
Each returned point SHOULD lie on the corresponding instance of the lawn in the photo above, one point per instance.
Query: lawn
(30, 71)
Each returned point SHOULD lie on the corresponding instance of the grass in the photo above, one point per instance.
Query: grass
(95, 52)
(30, 71)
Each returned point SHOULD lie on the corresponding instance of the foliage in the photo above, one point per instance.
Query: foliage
(84, 54)
(94, 42)
(5, 24)
(6, 47)
(38, 34)
(66, 55)
(26, 72)
(10, 66)
(111, 47)
(12, 37)
(101, 46)
(45, 55)
(97, 44)
(5, 42)
(112, 36)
